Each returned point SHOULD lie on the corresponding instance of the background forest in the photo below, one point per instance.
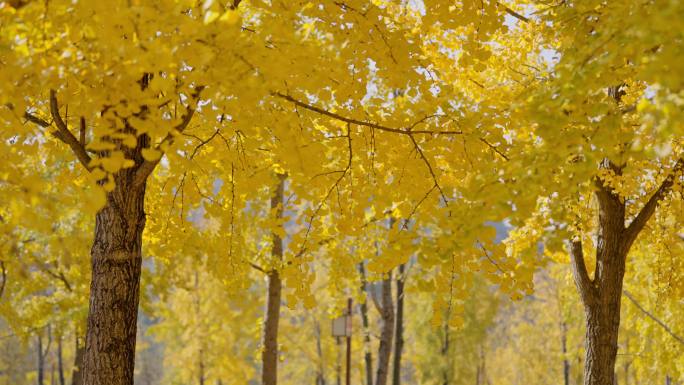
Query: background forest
(192, 190)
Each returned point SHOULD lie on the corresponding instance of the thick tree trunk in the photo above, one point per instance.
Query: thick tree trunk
(269, 357)
(116, 255)
(367, 354)
(387, 315)
(114, 290)
(399, 328)
(601, 295)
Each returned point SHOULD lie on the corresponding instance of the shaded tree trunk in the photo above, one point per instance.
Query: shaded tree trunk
(367, 354)
(114, 290)
(320, 373)
(116, 254)
(445, 355)
(77, 373)
(60, 361)
(41, 361)
(601, 295)
(269, 357)
(399, 328)
(386, 334)
(564, 350)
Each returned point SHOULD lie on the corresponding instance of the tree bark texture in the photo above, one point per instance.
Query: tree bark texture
(116, 253)
(115, 285)
(269, 356)
(386, 334)
(601, 294)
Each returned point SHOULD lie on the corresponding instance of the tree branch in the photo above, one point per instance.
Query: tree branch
(669, 331)
(649, 208)
(148, 166)
(82, 132)
(514, 13)
(65, 135)
(584, 284)
(362, 123)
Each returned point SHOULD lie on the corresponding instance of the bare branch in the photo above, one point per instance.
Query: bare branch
(257, 267)
(362, 123)
(585, 285)
(649, 208)
(669, 331)
(494, 148)
(65, 135)
(82, 132)
(429, 166)
(514, 13)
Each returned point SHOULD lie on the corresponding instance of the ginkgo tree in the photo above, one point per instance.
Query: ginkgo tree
(602, 159)
(450, 117)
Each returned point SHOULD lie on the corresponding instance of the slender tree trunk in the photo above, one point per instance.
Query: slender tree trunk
(367, 354)
(77, 373)
(445, 355)
(41, 361)
(201, 367)
(386, 334)
(564, 350)
(627, 363)
(114, 290)
(399, 328)
(269, 355)
(60, 361)
(320, 373)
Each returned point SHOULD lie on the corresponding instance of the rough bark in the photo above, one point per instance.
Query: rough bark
(114, 290)
(116, 254)
(601, 295)
(269, 356)
(399, 328)
(386, 334)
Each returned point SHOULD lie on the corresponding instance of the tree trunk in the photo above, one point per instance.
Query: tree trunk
(399, 328)
(387, 315)
(116, 254)
(445, 355)
(601, 295)
(564, 350)
(320, 373)
(77, 373)
(60, 361)
(114, 289)
(368, 355)
(41, 362)
(269, 355)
